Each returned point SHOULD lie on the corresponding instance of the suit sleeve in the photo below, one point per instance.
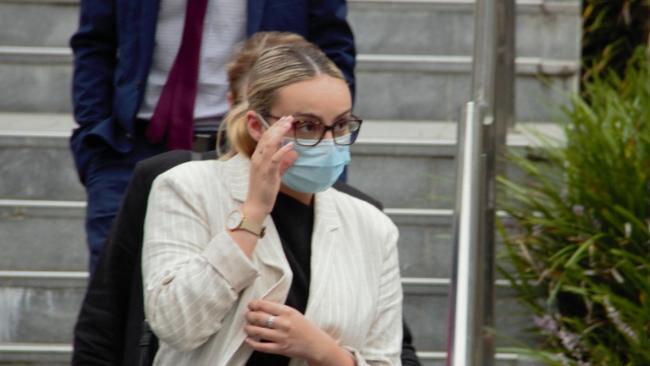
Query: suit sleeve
(191, 278)
(95, 52)
(384, 342)
(329, 30)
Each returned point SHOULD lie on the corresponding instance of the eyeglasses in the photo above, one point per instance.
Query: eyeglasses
(309, 132)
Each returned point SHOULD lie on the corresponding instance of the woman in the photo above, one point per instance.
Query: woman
(254, 260)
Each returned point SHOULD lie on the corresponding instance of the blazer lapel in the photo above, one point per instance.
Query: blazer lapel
(326, 235)
(236, 171)
(326, 217)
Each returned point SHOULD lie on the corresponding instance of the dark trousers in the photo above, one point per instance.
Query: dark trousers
(106, 179)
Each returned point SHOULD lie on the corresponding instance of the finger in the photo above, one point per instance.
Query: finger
(258, 318)
(287, 161)
(266, 334)
(273, 136)
(266, 347)
(269, 307)
(278, 155)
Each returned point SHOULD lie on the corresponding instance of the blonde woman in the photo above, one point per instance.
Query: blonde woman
(255, 260)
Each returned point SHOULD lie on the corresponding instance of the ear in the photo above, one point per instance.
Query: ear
(231, 99)
(254, 126)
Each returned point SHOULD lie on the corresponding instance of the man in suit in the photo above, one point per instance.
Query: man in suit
(149, 76)
(109, 327)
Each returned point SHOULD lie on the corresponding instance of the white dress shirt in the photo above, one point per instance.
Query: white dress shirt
(198, 282)
(224, 28)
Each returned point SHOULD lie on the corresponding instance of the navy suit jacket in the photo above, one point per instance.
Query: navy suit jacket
(113, 49)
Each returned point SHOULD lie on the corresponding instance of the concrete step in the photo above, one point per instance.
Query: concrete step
(42, 308)
(403, 164)
(409, 87)
(544, 28)
(435, 87)
(43, 354)
(35, 158)
(55, 230)
(549, 29)
(38, 23)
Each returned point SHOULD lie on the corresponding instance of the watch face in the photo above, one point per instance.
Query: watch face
(234, 219)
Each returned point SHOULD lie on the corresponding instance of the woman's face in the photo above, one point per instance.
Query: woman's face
(323, 98)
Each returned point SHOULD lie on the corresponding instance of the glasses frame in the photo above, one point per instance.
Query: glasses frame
(353, 135)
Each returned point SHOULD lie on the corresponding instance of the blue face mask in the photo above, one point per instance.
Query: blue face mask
(317, 167)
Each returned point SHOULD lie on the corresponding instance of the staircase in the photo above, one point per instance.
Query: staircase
(414, 72)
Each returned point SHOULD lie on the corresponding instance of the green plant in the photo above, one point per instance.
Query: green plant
(577, 240)
(612, 30)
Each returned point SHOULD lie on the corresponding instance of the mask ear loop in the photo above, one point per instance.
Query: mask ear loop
(264, 123)
(222, 144)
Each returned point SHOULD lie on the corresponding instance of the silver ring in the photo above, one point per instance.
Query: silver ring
(269, 321)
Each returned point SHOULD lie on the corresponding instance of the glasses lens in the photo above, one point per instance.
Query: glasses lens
(345, 132)
(308, 129)
(346, 127)
(347, 139)
(306, 142)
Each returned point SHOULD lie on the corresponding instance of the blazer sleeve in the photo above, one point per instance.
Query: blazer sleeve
(329, 30)
(384, 342)
(95, 53)
(191, 280)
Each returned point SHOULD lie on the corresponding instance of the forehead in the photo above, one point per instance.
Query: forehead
(323, 95)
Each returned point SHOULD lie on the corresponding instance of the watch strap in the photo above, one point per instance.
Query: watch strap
(247, 225)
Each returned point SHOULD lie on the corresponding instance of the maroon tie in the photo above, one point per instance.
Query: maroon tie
(173, 117)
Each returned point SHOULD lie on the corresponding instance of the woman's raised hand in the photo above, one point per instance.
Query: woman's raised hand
(268, 163)
(280, 329)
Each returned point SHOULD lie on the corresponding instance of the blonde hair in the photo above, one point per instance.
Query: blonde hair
(276, 67)
(240, 65)
(244, 58)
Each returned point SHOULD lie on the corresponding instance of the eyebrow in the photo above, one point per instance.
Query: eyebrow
(311, 115)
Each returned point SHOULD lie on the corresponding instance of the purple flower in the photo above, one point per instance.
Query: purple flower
(578, 210)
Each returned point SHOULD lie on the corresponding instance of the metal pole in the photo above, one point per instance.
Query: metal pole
(481, 134)
(466, 316)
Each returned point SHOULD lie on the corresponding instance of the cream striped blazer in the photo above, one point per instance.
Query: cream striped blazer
(198, 283)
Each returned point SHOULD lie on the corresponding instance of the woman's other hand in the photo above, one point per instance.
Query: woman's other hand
(280, 329)
(268, 163)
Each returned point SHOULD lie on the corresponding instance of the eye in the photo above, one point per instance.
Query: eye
(341, 126)
(306, 125)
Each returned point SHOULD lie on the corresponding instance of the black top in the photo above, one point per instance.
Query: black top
(294, 222)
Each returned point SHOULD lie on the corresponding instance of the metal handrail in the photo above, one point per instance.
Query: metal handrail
(481, 135)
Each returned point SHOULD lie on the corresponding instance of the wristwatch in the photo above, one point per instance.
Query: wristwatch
(238, 221)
